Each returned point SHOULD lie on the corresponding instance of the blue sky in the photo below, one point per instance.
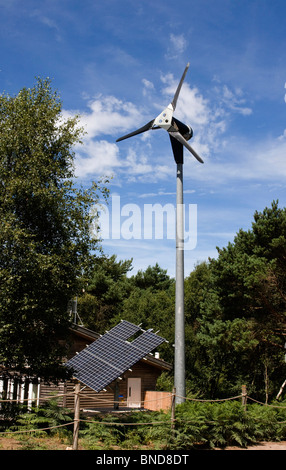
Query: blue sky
(117, 63)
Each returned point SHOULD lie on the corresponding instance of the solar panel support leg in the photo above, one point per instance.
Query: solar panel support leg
(116, 395)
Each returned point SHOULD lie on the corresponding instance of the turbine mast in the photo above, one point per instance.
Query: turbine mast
(179, 372)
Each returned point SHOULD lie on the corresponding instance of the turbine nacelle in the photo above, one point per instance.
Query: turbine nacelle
(179, 133)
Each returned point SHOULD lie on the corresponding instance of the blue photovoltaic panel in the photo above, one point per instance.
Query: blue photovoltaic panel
(124, 329)
(111, 355)
(148, 340)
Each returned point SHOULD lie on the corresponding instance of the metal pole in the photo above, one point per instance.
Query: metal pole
(173, 408)
(179, 303)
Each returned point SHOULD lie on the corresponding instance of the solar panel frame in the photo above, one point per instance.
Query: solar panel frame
(111, 355)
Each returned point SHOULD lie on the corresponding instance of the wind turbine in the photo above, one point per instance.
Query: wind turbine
(179, 134)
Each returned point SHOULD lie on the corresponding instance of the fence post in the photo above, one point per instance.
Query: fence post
(76, 416)
(243, 396)
(173, 406)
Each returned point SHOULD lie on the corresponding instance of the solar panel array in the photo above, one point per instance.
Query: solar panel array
(111, 355)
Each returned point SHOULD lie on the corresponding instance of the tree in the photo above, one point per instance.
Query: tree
(44, 239)
(104, 292)
(151, 303)
(153, 277)
(110, 295)
(242, 319)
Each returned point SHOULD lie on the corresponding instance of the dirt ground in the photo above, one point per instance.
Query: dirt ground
(12, 443)
(56, 444)
(262, 446)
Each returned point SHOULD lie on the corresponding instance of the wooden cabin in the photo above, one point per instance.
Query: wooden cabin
(128, 391)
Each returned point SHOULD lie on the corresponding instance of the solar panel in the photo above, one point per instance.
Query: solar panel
(111, 355)
(125, 329)
(149, 340)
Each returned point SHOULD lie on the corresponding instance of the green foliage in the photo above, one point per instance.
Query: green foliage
(50, 415)
(154, 278)
(44, 237)
(121, 430)
(104, 292)
(215, 425)
(236, 306)
(96, 432)
(198, 425)
(165, 382)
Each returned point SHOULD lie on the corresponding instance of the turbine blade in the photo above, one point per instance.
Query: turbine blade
(182, 128)
(177, 148)
(138, 131)
(183, 141)
(174, 102)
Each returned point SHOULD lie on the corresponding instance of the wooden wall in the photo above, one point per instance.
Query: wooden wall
(156, 401)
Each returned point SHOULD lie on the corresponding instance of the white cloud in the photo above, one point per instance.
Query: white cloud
(165, 193)
(47, 21)
(283, 136)
(96, 158)
(177, 45)
(193, 107)
(241, 160)
(148, 86)
(137, 164)
(266, 160)
(235, 101)
(107, 115)
(178, 42)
